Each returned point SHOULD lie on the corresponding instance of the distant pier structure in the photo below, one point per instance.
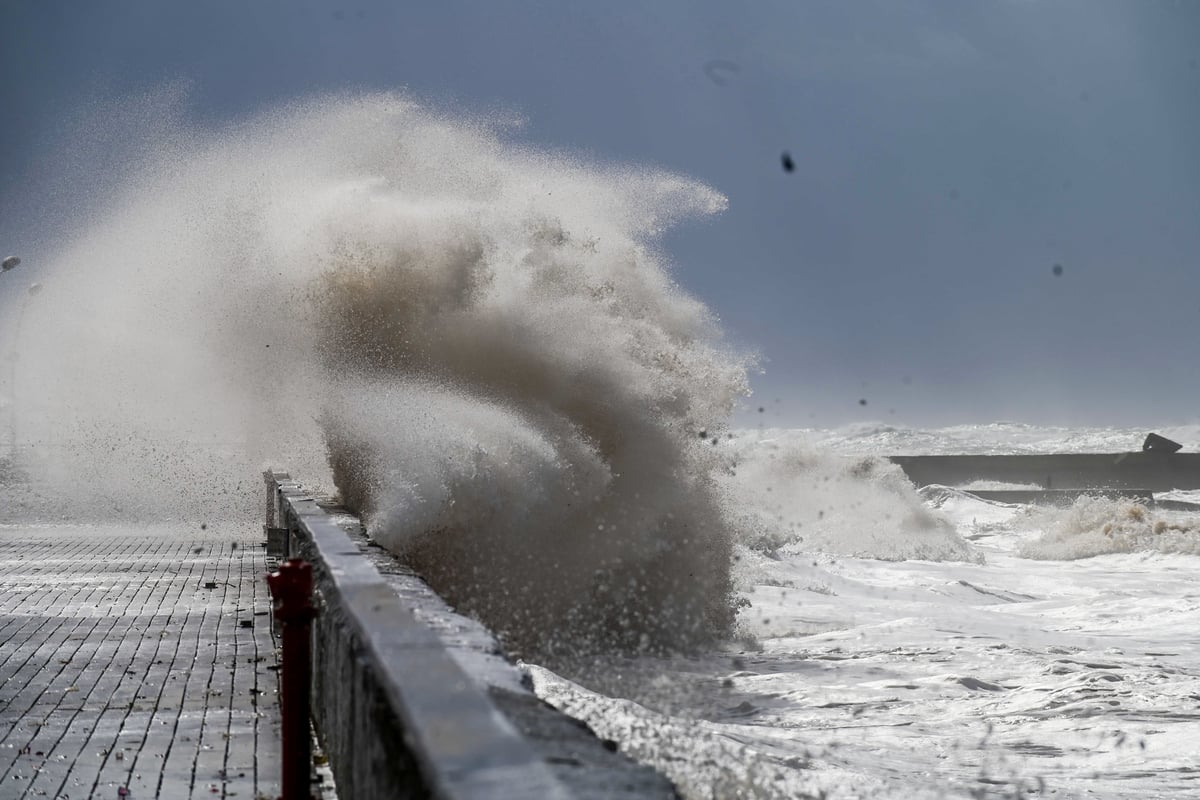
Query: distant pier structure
(1158, 467)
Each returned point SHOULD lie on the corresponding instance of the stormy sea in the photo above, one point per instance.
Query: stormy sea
(482, 349)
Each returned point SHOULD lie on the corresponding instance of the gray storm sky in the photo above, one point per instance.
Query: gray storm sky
(947, 156)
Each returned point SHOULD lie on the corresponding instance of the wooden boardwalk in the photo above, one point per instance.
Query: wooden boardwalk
(136, 663)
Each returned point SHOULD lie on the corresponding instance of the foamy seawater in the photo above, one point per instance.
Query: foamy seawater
(1035, 653)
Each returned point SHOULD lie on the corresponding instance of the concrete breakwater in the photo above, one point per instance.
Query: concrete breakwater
(1147, 471)
(413, 700)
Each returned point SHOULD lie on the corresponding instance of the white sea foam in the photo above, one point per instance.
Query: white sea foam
(864, 677)
(1095, 526)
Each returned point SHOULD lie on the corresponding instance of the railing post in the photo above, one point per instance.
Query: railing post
(291, 587)
(277, 537)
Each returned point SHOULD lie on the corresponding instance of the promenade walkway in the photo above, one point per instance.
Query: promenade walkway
(136, 663)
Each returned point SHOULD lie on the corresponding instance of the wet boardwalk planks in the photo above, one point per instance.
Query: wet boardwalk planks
(135, 664)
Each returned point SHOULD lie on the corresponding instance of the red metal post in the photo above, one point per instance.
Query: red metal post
(291, 587)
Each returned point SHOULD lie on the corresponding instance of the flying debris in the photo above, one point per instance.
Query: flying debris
(9, 263)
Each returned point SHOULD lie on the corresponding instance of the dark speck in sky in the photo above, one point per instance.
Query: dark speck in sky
(788, 164)
(1058, 270)
(862, 402)
(761, 409)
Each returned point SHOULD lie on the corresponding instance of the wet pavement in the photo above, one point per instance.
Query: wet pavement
(136, 663)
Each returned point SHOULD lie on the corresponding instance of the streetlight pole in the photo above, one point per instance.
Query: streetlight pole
(13, 357)
(10, 263)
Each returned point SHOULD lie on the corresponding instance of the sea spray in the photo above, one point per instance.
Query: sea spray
(479, 337)
(797, 497)
(521, 423)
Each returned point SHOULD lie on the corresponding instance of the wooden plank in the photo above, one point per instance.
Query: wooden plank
(112, 645)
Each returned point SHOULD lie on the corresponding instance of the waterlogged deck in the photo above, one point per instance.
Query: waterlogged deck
(135, 664)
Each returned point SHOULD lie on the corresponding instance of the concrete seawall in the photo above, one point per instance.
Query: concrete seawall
(409, 707)
(1153, 472)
